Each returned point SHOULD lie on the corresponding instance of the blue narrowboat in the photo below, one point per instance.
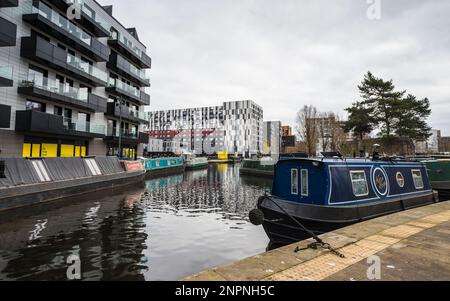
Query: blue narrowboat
(324, 194)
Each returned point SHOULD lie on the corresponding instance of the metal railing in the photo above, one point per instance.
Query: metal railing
(55, 86)
(60, 21)
(120, 85)
(86, 67)
(114, 132)
(83, 126)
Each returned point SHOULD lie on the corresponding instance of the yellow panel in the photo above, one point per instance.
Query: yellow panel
(222, 156)
(49, 150)
(26, 150)
(36, 152)
(83, 151)
(67, 150)
(77, 151)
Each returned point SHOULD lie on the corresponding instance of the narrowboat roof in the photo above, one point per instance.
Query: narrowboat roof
(347, 160)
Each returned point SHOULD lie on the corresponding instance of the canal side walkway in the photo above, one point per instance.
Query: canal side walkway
(411, 245)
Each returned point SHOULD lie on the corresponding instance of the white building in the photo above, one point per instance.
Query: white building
(235, 127)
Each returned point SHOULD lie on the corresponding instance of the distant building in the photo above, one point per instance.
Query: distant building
(444, 145)
(272, 137)
(431, 146)
(286, 131)
(234, 127)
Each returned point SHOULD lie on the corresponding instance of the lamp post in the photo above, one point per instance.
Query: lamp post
(120, 104)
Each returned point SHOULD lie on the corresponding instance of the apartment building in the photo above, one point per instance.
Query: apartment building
(235, 127)
(72, 81)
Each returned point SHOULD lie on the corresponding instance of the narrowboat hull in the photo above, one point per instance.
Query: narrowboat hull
(282, 230)
(439, 173)
(197, 166)
(38, 194)
(256, 172)
(164, 172)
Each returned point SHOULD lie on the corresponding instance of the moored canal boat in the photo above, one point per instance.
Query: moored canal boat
(161, 167)
(193, 162)
(41, 180)
(325, 194)
(258, 167)
(439, 173)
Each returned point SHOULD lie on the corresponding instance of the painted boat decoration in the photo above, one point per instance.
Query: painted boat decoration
(194, 163)
(258, 167)
(439, 173)
(160, 167)
(329, 193)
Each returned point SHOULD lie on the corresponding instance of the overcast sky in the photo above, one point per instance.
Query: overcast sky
(288, 53)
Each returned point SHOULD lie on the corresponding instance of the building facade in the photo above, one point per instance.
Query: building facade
(72, 80)
(235, 127)
(272, 138)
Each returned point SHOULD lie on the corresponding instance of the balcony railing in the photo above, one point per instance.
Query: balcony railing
(143, 59)
(6, 72)
(61, 22)
(86, 67)
(124, 87)
(129, 134)
(83, 126)
(97, 19)
(54, 86)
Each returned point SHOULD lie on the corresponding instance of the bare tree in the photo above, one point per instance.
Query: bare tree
(307, 128)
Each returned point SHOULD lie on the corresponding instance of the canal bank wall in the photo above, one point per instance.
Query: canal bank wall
(405, 246)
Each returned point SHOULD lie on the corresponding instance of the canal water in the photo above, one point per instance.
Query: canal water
(166, 229)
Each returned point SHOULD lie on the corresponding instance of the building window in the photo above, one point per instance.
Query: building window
(359, 183)
(305, 182)
(418, 179)
(35, 106)
(294, 181)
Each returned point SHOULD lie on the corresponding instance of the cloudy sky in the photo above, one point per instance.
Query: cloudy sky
(285, 54)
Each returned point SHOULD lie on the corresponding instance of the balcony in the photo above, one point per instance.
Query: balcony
(121, 66)
(6, 76)
(88, 17)
(5, 116)
(50, 21)
(8, 33)
(126, 47)
(9, 3)
(47, 89)
(114, 110)
(124, 90)
(54, 125)
(39, 50)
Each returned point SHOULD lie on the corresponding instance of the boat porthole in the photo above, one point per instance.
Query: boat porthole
(380, 181)
(400, 179)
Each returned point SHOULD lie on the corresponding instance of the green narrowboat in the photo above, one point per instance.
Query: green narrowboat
(195, 163)
(161, 167)
(439, 173)
(257, 167)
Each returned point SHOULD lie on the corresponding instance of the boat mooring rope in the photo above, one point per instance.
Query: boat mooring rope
(319, 243)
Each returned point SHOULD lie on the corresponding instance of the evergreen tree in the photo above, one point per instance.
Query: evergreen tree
(359, 120)
(411, 118)
(382, 102)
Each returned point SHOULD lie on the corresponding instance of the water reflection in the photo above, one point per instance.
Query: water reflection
(166, 230)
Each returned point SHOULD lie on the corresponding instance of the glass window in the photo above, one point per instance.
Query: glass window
(294, 181)
(35, 106)
(305, 181)
(359, 183)
(418, 179)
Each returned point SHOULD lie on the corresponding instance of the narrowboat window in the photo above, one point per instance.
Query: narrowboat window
(305, 181)
(400, 180)
(294, 181)
(418, 179)
(359, 183)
